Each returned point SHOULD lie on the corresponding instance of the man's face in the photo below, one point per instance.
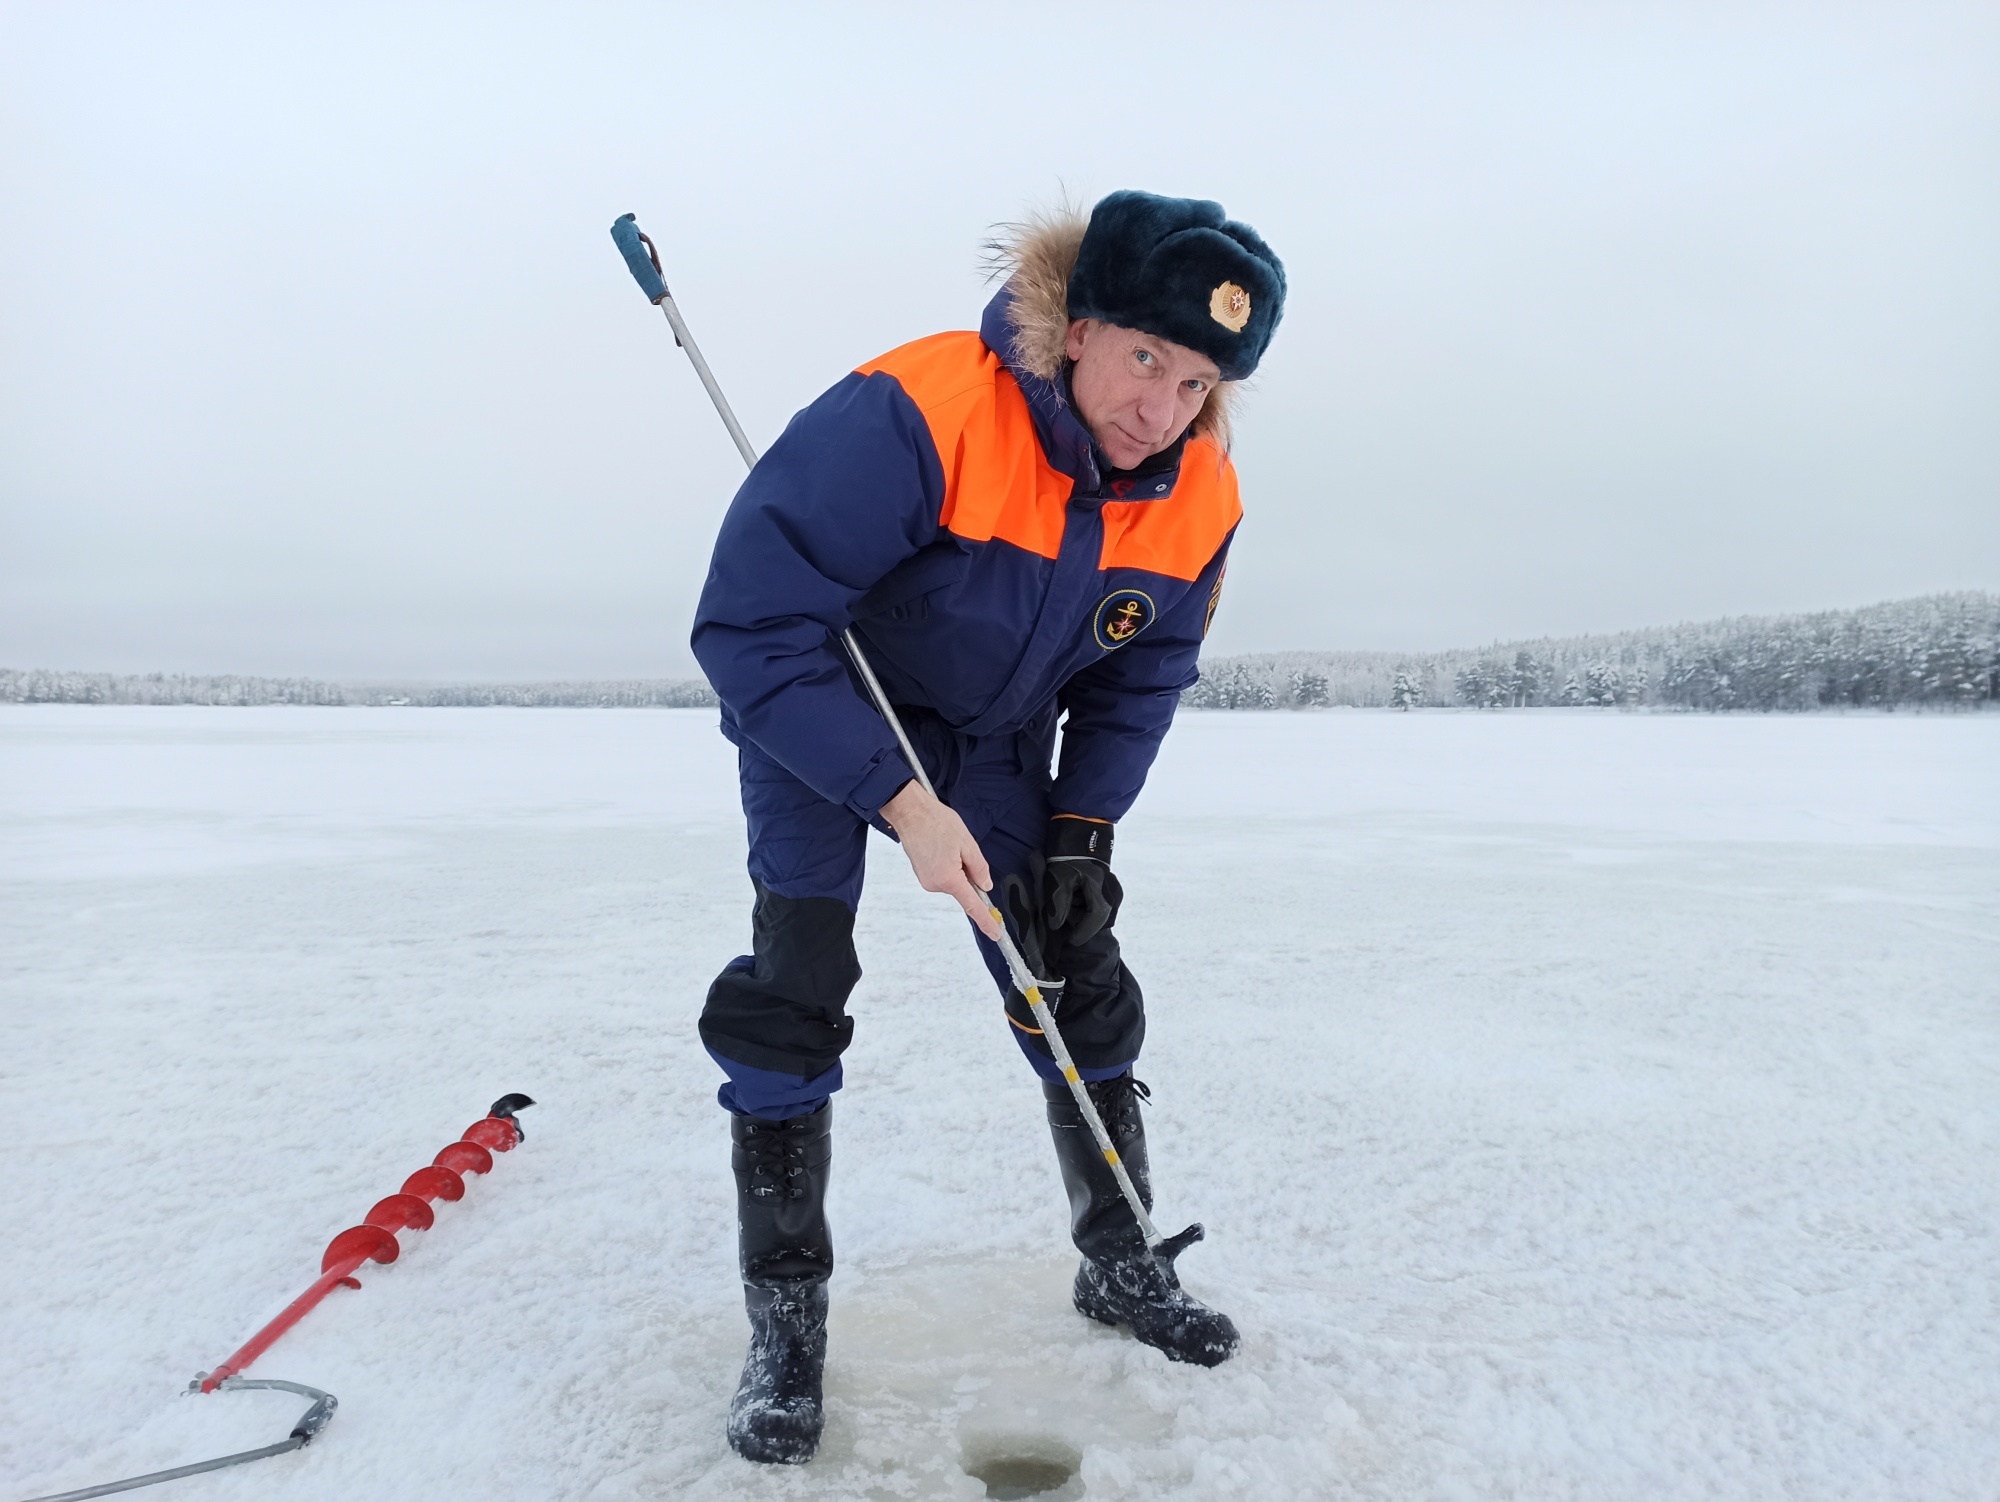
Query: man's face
(1136, 393)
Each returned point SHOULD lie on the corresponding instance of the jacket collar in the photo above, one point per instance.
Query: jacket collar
(1065, 440)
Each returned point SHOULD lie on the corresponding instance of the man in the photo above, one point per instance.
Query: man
(1021, 524)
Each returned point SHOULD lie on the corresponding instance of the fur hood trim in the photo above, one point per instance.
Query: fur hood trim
(1036, 256)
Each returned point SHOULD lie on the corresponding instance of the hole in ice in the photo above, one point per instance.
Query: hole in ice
(1016, 1476)
(1018, 1467)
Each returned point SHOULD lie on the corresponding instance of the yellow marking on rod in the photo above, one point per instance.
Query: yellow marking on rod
(1034, 995)
(1111, 1156)
(1070, 1074)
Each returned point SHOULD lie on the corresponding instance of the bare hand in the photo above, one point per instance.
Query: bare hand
(943, 853)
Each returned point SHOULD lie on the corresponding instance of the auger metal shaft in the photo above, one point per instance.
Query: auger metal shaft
(1017, 965)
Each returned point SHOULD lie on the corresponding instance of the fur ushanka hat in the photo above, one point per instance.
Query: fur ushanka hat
(1177, 268)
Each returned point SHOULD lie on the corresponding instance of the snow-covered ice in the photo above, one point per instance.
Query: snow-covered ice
(1581, 1105)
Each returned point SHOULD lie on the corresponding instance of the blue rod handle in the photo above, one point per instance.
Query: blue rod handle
(639, 257)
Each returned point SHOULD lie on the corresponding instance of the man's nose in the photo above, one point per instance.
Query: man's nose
(1156, 410)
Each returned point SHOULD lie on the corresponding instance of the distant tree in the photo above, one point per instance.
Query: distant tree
(1405, 693)
(1524, 681)
(1428, 678)
(1601, 684)
(1231, 684)
(1572, 691)
(1485, 685)
(1309, 689)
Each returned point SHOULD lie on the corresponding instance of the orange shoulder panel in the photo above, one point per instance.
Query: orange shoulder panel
(1179, 535)
(997, 482)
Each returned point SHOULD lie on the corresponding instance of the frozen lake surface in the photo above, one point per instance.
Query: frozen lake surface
(1581, 1105)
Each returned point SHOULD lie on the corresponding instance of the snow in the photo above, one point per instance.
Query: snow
(1581, 1105)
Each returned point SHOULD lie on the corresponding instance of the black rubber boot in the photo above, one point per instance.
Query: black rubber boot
(787, 1256)
(1120, 1281)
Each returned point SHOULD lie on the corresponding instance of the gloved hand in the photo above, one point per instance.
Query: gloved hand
(1080, 896)
(1020, 899)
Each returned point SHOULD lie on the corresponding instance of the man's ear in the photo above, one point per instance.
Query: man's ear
(1073, 337)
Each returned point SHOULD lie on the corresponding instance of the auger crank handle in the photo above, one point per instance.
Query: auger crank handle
(640, 257)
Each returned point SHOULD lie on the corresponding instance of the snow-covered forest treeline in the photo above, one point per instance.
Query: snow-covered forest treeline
(1941, 650)
(44, 687)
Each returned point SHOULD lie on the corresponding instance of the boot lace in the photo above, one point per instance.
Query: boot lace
(1117, 1101)
(777, 1152)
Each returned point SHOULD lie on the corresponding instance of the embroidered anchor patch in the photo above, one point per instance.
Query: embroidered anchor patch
(1122, 616)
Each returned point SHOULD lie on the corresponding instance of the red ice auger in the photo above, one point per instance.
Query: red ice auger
(373, 1240)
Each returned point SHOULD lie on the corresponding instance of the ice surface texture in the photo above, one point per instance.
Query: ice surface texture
(1581, 1106)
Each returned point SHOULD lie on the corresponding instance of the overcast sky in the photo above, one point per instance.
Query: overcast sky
(318, 357)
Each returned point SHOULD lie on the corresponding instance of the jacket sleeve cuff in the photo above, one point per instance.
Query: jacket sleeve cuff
(1075, 837)
(881, 782)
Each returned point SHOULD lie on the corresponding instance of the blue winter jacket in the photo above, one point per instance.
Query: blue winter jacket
(948, 504)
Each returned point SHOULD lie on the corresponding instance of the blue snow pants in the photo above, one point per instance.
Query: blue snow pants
(776, 1019)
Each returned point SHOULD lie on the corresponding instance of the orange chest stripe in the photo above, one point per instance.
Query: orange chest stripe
(1179, 535)
(997, 482)
(1000, 485)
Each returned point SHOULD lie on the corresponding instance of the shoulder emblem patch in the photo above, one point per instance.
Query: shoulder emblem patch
(1122, 616)
(1214, 599)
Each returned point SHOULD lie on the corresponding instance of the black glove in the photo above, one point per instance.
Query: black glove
(1080, 896)
(1020, 904)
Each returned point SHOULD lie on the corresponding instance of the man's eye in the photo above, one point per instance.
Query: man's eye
(1197, 385)
(1144, 356)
